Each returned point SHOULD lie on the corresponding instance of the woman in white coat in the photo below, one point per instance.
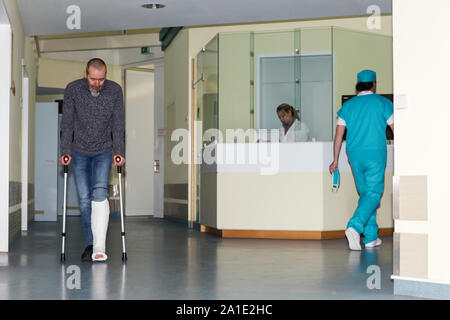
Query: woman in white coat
(293, 130)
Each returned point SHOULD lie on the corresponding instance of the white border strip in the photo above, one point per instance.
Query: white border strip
(420, 280)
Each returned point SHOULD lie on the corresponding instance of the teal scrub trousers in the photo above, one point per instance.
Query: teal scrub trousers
(369, 179)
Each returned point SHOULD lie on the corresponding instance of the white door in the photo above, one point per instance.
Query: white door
(139, 142)
(46, 161)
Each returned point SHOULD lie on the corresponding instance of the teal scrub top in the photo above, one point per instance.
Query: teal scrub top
(366, 120)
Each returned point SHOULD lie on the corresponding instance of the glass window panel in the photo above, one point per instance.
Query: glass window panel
(277, 85)
(316, 96)
(207, 89)
(308, 77)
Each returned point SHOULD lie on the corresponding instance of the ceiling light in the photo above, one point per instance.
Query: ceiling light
(153, 6)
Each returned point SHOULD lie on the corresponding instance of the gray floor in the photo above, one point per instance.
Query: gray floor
(168, 261)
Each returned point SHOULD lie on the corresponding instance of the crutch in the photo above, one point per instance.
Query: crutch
(119, 171)
(66, 170)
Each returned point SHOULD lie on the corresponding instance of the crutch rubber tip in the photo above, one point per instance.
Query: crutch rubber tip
(124, 256)
(63, 257)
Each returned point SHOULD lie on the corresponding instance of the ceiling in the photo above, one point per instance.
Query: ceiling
(46, 17)
(3, 14)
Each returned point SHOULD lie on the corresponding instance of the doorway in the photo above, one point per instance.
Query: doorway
(144, 179)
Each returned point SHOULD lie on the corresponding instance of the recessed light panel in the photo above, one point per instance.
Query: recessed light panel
(153, 6)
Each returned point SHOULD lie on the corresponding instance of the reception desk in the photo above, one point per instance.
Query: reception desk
(281, 191)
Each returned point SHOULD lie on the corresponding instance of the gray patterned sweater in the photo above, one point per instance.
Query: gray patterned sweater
(92, 125)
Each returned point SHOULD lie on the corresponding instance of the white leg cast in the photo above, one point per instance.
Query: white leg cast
(99, 225)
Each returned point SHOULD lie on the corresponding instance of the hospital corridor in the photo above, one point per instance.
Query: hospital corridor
(206, 150)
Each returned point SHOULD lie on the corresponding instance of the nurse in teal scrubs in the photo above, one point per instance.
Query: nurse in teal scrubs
(365, 117)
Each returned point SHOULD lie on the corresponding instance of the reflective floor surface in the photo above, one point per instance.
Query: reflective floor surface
(168, 261)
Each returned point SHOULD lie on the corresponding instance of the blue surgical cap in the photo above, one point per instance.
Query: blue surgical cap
(367, 76)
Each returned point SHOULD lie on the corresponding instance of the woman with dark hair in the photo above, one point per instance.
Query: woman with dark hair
(293, 129)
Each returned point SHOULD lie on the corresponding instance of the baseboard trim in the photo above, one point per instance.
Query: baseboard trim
(282, 234)
(188, 224)
(421, 288)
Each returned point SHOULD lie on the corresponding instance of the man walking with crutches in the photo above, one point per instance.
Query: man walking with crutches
(92, 129)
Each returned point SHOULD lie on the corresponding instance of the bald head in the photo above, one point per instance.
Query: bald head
(96, 75)
(97, 64)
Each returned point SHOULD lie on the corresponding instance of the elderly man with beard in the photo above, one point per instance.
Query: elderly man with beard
(92, 131)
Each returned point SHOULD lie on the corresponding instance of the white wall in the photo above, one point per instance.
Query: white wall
(118, 57)
(421, 64)
(5, 81)
(23, 49)
(58, 73)
(159, 140)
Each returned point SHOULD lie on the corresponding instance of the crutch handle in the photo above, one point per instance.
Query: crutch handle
(117, 159)
(66, 166)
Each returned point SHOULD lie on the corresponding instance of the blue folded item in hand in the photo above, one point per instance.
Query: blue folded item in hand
(336, 181)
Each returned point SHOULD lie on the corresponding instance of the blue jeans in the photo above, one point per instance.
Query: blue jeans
(92, 179)
(369, 178)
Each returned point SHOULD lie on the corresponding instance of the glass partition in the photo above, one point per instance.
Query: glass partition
(207, 104)
(276, 85)
(207, 89)
(316, 95)
(235, 81)
(302, 76)
(251, 73)
(275, 73)
(303, 81)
